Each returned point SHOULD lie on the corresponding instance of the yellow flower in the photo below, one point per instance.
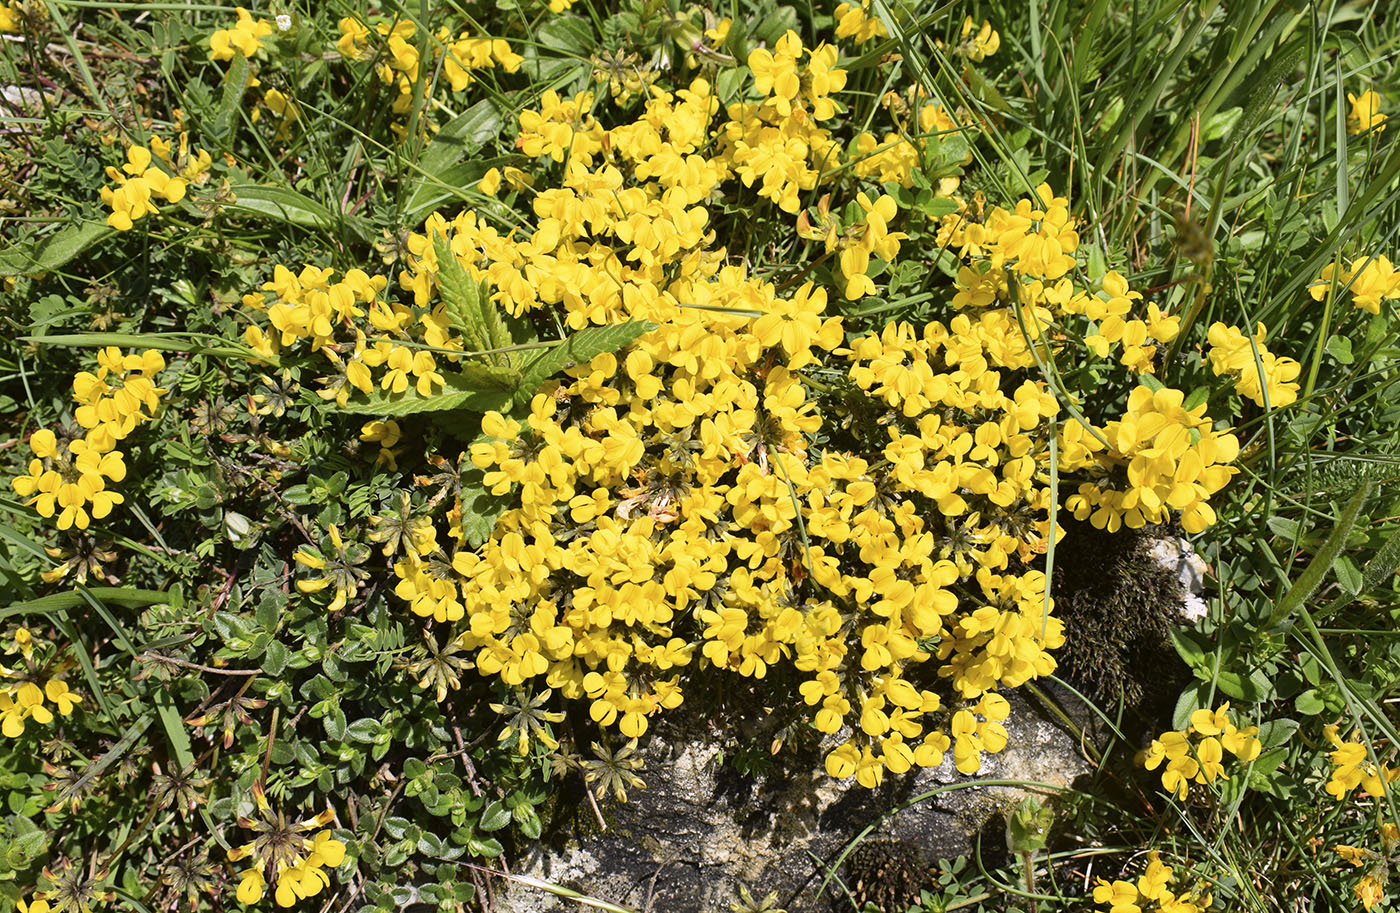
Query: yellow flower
(980, 46)
(1121, 896)
(852, 21)
(58, 693)
(1365, 113)
(242, 39)
(250, 886)
(775, 72)
(1153, 883)
(1370, 890)
(1357, 856)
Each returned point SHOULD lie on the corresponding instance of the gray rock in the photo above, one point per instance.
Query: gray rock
(701, 831)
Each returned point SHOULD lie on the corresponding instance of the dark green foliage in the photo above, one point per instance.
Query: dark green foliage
(1118, 606)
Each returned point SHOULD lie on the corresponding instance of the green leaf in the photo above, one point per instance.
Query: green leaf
(449, 164)
(459, 392)
(1028, 826)
(776, 24)
(1199, 396)
(51, 252)
(495, 816)
(288, 206)
(528, 820)
(165, 342)
(1348, 575)
(1191, 646)
(60, 602)
(1261, 771)
(334, 723)
(569, 35)
(1277, 732)
(1339, 347)
(461, 136)
(275, 658)
(1252, 688)
(938, 207)
(579, 348)
(221, 128)
(1325, 557)
(1193, 697)
(480, 508)
(461, 294)
(1309, 703)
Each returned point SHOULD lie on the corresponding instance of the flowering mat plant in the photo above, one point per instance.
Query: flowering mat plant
(406, 408)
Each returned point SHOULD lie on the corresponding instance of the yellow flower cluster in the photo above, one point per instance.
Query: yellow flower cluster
(667, 510)
(1351, 767)
(25, 701)
(245, 38)
(110, 402)
(778, 143)
(1174, 460)
(895, 156)
(1196, 754)
(286, 855)
(73, 476)
(1375, 280)
(140, 180)
(399, 62)
(872, 237)
(1231, 352)
(1159, 456)
(1365, 113)
(664, 490)
(1151, 893)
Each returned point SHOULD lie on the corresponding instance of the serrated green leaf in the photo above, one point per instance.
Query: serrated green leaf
(462, 295)
(579, 348)
(490, 377)
(459, 391)
(221, 128)
(52, 252)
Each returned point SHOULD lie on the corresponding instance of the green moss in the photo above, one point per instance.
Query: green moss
(1118, 606)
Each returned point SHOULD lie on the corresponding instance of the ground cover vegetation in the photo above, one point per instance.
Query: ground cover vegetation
(406, 405)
